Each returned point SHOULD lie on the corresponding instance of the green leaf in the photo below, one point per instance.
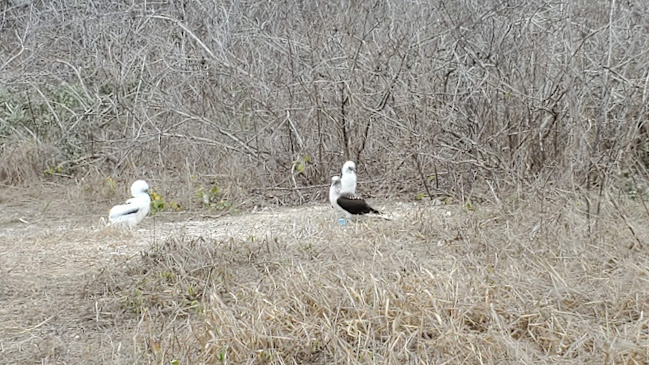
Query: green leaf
(222, 354)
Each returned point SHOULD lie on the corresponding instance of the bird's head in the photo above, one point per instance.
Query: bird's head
(335, 180)
(138, 187)
(349, 167)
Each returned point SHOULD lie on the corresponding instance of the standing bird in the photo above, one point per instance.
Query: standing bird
(334, 191)
(348, 203)
(135, 209)
(348, 180)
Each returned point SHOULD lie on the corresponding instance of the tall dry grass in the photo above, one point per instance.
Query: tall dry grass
(531, 287)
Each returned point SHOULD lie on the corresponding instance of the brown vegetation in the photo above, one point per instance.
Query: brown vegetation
(428, 97)
(444, 284)
(527, 118)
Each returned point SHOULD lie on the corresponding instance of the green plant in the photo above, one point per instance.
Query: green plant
(300, 165)
(222, 356)
(212, 197)
(158, 203)
(53, 170)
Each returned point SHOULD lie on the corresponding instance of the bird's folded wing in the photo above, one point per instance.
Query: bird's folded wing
(122, 210)
(352, 203)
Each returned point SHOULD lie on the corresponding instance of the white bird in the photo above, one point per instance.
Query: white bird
(334, 192)
(347, 203)
(348, 180)
(135, 209)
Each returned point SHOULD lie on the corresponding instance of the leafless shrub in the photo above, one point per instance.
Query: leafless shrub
(426, 96)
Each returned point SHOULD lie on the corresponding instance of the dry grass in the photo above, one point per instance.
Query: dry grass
(517, 284)
(25, 162)
(517, 111)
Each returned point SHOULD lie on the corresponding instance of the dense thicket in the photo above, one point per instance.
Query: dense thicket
(428, 97)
